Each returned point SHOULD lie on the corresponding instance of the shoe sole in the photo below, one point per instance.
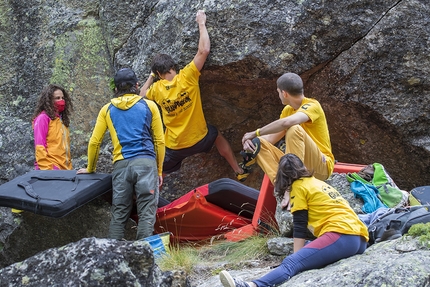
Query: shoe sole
(14, 210)
(242, 176)
(249, 157)
(226, 279)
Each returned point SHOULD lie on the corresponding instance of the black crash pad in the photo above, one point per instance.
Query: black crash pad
(53, 193)
(422, 194)
(233, 196)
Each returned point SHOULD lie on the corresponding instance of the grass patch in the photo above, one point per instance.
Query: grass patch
(185, 256)
(179, 258)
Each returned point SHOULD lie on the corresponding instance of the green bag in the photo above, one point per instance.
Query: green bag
(389, 193)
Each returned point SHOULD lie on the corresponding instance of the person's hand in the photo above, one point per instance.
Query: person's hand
(247, 141)
(201, 17)
(82, 170)
(285, 203)
(160, 180)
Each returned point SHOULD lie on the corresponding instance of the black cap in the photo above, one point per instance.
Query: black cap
(125, 77)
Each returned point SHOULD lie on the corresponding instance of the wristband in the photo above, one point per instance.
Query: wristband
(257, 132)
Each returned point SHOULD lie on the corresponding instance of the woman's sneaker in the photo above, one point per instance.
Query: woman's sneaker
(228, 281)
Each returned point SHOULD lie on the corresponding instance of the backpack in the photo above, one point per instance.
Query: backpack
(396, 222)
(376, 175)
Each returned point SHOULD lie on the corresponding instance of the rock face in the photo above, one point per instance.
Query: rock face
(92, 262)
(366, 61)
(26, 234)
(366, 67)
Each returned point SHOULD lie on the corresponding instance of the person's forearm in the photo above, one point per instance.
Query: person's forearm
(146, 86)
(298, 244)
(271, 132)
(274, 127)
(204, 41)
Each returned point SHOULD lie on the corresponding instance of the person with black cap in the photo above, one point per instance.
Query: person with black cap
(178, 94)
(136, 131)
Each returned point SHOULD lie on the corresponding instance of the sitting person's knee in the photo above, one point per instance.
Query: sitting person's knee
(295, 130)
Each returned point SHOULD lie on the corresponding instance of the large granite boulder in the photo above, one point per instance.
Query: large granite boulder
(92, 262)
(366, 61)
(25, 234)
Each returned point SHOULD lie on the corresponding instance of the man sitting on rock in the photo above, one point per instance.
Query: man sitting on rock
(303, 125)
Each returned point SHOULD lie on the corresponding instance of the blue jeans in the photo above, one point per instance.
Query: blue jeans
(326, 249)
(136, 177)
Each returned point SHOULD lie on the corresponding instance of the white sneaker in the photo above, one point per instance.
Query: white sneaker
(228, 281)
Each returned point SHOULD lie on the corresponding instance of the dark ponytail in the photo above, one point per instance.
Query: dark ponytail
(290, 169)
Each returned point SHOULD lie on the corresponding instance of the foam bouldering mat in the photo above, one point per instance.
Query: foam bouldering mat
(53, 193)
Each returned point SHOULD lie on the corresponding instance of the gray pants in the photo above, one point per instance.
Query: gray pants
(137, 177)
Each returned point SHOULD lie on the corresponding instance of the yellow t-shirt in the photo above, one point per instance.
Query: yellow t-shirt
(316, 128)
(181, 107)
(327, 210)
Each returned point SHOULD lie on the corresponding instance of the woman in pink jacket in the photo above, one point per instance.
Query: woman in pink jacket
(51, 121)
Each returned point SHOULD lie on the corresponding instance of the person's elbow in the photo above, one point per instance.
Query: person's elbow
(204, 51)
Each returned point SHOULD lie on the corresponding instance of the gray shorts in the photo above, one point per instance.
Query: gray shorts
(174, 157)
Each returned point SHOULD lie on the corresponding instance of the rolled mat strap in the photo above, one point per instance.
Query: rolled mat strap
(30, 191)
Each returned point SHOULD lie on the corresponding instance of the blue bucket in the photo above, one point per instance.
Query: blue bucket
(159, 243)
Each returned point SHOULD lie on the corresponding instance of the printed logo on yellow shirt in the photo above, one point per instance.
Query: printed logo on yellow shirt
(173, 105)
(306, 106)
(333, 193)
(170, 87)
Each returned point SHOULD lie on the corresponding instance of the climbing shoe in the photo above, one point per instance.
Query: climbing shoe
(249, 156)
(14, 210)
(281, 145)
(246, 171)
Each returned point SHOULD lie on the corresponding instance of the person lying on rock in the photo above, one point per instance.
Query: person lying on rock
(319, 208)
(303, 126)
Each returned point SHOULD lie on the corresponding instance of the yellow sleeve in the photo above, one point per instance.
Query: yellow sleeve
(298, 199)
(96, 139)
(157, 135)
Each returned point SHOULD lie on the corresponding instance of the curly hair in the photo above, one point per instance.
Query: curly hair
(46, 103)
(290, 169)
